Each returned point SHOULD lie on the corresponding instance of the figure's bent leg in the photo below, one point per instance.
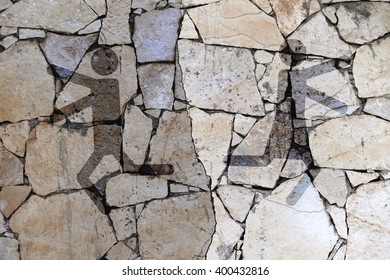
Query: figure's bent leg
(87, 170)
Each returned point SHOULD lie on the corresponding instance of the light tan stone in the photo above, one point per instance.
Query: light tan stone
(297, 163)
(243, 124)
(26, 33)
(9, 249)
(91, 28)
(124, 222)
(265, 5)
(188, 30)
(73, 228)
(165, 232)
(358, 178)
(11, 169)
(332, 184)
(189, 3)
(235, 23)
(107, 166)
(212, 135)
(371, 69)
(211, 83)
(14, 137)
(11, 197)
(291, 224)
(121, 252)
(2, 226)
(178, 188)
(263, 57)
(339, 218)
(4, 4)
(236, 139)
(8, 41)
(147, 5)
(32, 94)
(362, 136)
(330, 13)
(8, 30)
(379, 107)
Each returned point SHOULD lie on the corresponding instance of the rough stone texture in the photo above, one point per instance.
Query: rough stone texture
(358, 178)
(317, 37)
(265, 5)
(4, 4)
(371, 69)
(73, 228)
(8, 41)
(124, 222)
(155, 35)
(291, 224)
(173, 145)
(237, 200)
(188, 30)
(189, 3)
(243, 124)
(107, 166)
(32, 93)
(362, 135)
(212, 136)
(297, 163)
(9, 249)
(68, 17)
(2, 226)
(332, 184)
(165, 233)
(379, 107)
(361, 23)
(340, 254)
(147, 5)
(211, 83)
(55, 156)
(233, 23)
(126, 189)
(339, 216)
(26, 33)
(369, 222)
(121, 252)
(227, 233)
(290, 13)
(116, 28)
(236, 139)
(11, 169)
(91, 28)
(11, 197)
(14, 137)
(156, 81)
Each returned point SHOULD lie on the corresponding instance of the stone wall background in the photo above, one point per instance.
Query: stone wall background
(194, 129)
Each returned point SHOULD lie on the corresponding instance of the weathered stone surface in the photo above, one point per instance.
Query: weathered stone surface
(156, 81)
(243, 124)
(369, 222)
(371, 69)
(136, 135)
(91, 28)
(11, 169)
(173, 145)
(379, 107)
(73, 228)
(178, 86)
(233, 23)
(330, 13)
(297, 163)
(165, 233)
(8, 41)
(317, 37)
(2, 226)
(26, 33)
(66, 51)
(8, 30)
(274, 82)
(358, 178)
(126, 189)
(339, 216)
(211, 83)
(265, 5)
(121, 252)
(212, 135)
(124, 222)
(290, 14)
(236, 139)
(68, 17)
(155, 35)
(55, 156)
(188, 30)
(11, 197)
(178, 188)
(9, 249)
(227, 233)
(260, 157)
(340, 254)
(14, 137)
(4, 4)
(116, 28)
(361, 23)
(106, 167)
(20, 97)
(291, 223)
(362, 135)
(237, 200)
(332, 184)
(189, 3)
(315, 97)
(147, 5)
(263, 57)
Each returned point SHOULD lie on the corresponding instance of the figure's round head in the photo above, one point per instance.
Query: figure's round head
(104, 61)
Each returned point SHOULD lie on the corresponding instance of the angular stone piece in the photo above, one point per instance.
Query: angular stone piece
(107, 166)
(91, 28)
(237, 200)
(8, 41)
(358, 178)
(11, 197)
(291, 224)
(236, 139)
(379, 107)
(165, 232)
(212, 135)
(67, 17)
(173, 145)
(233, 23)
(243, 124)
(290, 13)
(8, 30)
(147, 5)
(27, 90)
(9, 249)
(332, 184)
(227, 233)
(4, 4)
(318, 38)
(360, 23)
(211, 83)
(2, 226)
(339, 219)
(330, 13)
(188, 30)
(116, 28)
(315, 97)
(156, 81)
(11, 169)
(26, 33)
(73, 228)
(362, 135)
(189, 3)
(297, 163)
(155, 35)
(55, 156)
(371, 69)
(126, 189)
(263, 57)
(265, 5)
(124, 222)
(121, 252)
(14, 137)
(340, 254)
(368, 222)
